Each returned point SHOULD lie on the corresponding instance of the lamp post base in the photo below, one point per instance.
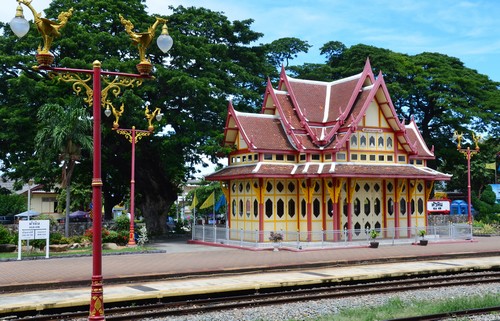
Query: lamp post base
(96, 299)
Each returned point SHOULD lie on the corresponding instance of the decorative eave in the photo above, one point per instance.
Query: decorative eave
(231, 128)
(327, 170)
(423, 152)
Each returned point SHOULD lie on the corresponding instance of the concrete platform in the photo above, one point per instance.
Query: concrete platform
(40, 300)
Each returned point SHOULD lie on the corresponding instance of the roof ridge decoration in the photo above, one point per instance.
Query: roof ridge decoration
(286, 123)
(324, 140)
(398, 126)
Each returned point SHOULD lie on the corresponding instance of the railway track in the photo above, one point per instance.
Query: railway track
(234, 300)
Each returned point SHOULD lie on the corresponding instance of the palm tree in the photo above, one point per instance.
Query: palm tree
(63, 133)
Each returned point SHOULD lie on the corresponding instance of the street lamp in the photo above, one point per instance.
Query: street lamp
(133, 135)
(97, 96)
(467, 152)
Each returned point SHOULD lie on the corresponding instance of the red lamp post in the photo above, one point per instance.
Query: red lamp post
(467, 152)
(133, 135)
(96, 97)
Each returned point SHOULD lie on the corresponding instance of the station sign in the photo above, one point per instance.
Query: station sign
(34, 230)
(438, 206)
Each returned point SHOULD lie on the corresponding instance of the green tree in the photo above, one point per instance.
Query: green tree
(281, 51)
(12, 204)
(63, 133)
(487, 206)
(212, 60)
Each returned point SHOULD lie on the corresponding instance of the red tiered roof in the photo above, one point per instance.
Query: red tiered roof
(305, 116)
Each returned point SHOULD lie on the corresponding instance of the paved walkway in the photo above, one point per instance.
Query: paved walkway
(180, 258)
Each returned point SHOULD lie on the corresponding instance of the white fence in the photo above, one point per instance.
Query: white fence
(328, 238)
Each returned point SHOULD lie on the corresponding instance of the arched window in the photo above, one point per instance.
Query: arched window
(248, 208)
(354, 141)
(357, 206)
(330, 208)
(389, 142)
(269, 208)
(376, 206)
(362, 141)
(367, 206)
(390, 206)
(303, 208)
(316, 208)
(291, 208)
(420, 206)
(372, 141)
(280, 208)
(402, 206)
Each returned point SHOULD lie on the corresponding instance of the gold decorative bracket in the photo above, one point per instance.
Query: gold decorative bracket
(138, 134)
(82, 84)
(78, 82)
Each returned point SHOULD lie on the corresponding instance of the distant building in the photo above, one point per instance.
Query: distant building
(42, 200)
(324, 156)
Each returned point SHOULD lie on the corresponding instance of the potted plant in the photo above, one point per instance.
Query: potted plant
(422, 233)
(373, 236)
(276, 238)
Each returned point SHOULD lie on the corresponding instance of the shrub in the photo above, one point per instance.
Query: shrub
(89, 233)
(122, 223)
(118, 237)
(59, 238)
(6, 236)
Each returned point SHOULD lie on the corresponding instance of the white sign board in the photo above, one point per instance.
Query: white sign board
(438, 206)
(34, 230)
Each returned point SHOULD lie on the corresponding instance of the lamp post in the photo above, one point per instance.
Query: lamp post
(468, 153)
(30, 183)
(133, 136)
(97, 96)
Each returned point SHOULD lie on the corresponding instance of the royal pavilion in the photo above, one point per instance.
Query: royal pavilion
(326, 161)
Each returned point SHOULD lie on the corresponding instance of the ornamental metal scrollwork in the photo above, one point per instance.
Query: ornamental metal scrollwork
(128, 134)
(78, 83)
(115, 86)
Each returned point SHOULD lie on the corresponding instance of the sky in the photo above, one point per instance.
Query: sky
(468, 30)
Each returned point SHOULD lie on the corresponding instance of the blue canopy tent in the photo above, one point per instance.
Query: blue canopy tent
(27, 215)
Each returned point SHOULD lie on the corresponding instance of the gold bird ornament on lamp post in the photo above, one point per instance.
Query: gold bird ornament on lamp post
(143, 40)
(48, 29)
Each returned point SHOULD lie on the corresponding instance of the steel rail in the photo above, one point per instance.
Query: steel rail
(262, 298)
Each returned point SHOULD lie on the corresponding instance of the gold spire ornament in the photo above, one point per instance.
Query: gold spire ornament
(142, 40)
